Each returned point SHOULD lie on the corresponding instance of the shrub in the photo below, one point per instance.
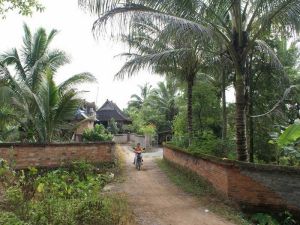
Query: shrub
(9, 218)
(68, 196)
(103, 210)
(99, 133)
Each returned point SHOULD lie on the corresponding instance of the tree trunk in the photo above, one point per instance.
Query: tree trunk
(224, 112)
(250, 119)
(241, 141)
(251, 134)
(190, 84)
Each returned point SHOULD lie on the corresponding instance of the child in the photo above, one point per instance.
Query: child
(138, 149)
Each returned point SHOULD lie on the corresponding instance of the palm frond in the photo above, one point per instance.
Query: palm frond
(12, 58)
(127, 13)
(137, 63)
(75, 80)
(98, 6)
(263, 47)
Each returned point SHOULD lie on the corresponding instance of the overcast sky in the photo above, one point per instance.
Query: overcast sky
(87, 54)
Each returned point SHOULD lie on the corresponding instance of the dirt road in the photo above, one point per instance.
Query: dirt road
(156, 201)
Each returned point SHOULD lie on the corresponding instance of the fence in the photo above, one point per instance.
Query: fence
(22, 156)
(263, 187)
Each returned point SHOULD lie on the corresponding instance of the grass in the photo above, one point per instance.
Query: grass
(120, 163)
(205, 193)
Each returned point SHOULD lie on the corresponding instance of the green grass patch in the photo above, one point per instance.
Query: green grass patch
(206, 194)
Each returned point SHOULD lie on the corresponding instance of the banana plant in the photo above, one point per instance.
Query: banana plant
(288, 142)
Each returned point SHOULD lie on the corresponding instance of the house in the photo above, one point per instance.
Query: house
(85, 118)
(109, 110)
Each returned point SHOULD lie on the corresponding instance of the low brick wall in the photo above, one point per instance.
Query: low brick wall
(254, 187)
(22, 156)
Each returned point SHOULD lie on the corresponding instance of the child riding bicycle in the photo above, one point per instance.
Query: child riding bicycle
(137, 150)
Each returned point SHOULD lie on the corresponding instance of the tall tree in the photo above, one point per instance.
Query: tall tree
(236, 24)
(179, 60)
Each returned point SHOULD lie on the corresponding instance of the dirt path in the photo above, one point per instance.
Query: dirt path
(156, 201)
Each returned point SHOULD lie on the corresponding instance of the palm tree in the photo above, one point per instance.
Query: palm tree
(41, 108)
(34, 56)
(236, 25)
(137, 101)
(163, 99)
(165, 57)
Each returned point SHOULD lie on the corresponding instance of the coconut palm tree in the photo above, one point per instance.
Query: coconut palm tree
(41, 108)
(137, 101)
(34, 56)
(179, 60)
(236, 25)
(163, 98)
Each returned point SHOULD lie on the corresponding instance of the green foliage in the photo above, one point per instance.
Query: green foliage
(207, 130)
(284, 218)
(98, 133)
(40, 109)
(24, 7)
(70, 184)
(9, 218)
(148, 129)
(290, 135)
(102, 211)
(264, 219)
(113, 126)
(287, 145)
(68, 196)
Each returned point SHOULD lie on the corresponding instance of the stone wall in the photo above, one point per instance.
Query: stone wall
(263, 187)
(22, 156)
(132, 138)
(121, 138)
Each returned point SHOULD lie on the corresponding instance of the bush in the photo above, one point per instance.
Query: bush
(68, 196)
(104, 210)
(99, 133)
(9, 218)
(205, 143)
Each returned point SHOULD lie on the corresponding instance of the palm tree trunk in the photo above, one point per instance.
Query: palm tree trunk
(190, 84)
(224, 112)
(251, 134)
(241, 141)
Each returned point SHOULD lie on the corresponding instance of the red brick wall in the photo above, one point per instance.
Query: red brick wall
(214, 173)
(253, 186)
(53, 155)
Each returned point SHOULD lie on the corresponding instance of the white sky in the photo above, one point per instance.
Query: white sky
(87, 54)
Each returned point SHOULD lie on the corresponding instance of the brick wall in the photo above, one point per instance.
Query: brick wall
(53, 155)
(263, 187)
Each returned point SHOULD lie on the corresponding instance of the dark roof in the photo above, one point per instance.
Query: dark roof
(110, 110)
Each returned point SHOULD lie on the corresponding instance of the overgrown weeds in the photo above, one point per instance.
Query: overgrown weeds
(69, 196)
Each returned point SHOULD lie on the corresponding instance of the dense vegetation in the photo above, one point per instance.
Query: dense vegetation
(98, 133)
(68, 196)
(204, 48)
